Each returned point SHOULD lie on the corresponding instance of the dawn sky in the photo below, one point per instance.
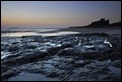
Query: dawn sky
(57, 13)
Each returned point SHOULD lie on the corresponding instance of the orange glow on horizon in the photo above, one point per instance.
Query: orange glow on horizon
(42, 21)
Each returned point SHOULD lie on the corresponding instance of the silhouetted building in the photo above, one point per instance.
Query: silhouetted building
(101, 22)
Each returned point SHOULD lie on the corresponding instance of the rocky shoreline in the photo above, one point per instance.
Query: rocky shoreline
(76, 57)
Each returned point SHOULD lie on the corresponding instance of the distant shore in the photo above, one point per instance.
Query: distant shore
(92, 30)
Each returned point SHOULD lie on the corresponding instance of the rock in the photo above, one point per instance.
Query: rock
(30, 47)
(81, 70)
(25, 76)
(52, 74)
(66, 45)
(69, 52)
(54, 50)
(33, 38)
(96, 72)
(104, 55)
(71, 61)
(27, 57)
(100, 34)
(3, 68)
(117, 63)
(104, 34)
(116, 72)
(64, 57)
(90, 55)
(81, 63)
(24, 37)
(11, 56)
(103, 77)
(34, 56)
(5, 45)
(115, 55)
(3, 48)
(13, 48)
(9, 74)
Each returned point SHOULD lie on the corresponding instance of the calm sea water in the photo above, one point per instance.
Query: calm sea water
(29, 29)
(34, 32)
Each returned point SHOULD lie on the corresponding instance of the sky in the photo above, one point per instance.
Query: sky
(58, 14)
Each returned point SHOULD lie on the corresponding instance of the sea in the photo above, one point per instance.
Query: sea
(19, 32)
(15, 34)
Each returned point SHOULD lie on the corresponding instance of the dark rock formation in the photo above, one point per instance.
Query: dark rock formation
(26, 58)
(69, 52)
(117, 63)
(65, 58)
(9, 74)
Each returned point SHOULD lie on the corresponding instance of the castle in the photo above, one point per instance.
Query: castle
(101, 22)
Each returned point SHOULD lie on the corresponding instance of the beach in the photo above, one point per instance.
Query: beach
(88, 55)
(61, 41)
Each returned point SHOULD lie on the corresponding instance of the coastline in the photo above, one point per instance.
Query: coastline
(52, 57)
(94, 30)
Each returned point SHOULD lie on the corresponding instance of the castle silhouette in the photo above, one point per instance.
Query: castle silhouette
(101, 22)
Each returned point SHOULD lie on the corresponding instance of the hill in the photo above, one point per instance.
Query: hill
(102, 23)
